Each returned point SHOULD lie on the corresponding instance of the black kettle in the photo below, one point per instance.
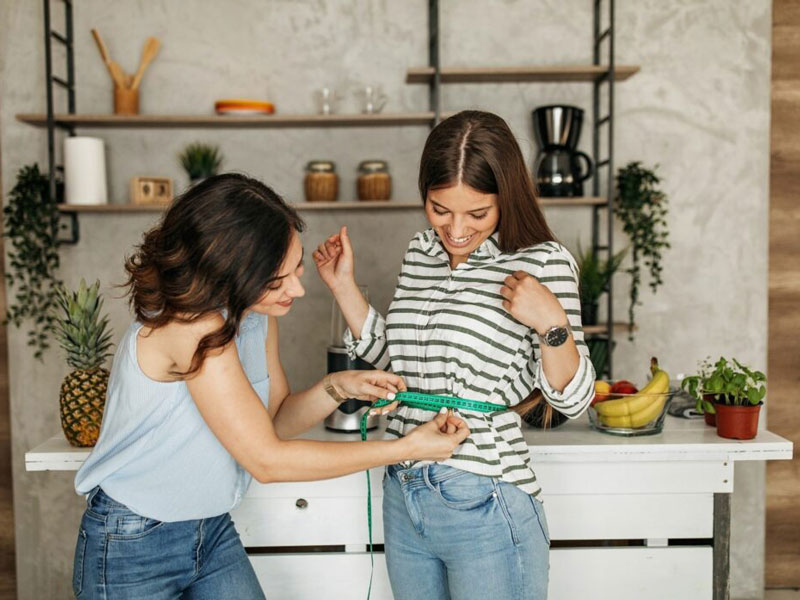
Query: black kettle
(558, 171)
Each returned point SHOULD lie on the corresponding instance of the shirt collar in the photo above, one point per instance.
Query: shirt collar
(432, 245)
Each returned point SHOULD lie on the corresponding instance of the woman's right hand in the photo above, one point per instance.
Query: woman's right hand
(334, 261)
(437, 439)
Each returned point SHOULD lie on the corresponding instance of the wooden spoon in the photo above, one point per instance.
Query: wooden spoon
(149, 52)
(116, 72)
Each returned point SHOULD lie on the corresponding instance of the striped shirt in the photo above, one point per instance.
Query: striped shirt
(447, 333)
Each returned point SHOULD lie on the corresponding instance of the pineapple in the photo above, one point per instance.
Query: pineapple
(83, 335)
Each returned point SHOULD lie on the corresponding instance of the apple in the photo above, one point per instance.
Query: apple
(623, 386)
(601, 390)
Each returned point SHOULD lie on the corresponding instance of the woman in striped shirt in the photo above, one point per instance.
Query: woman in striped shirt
(486, 308)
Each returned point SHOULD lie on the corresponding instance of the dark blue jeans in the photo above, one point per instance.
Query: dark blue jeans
(121, 555)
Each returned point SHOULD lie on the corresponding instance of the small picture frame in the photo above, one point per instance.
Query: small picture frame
(151, 190)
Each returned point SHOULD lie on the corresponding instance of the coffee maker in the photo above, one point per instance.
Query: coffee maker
(347, 417)
(557, 169)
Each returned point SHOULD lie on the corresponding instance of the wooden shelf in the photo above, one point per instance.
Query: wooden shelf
(229, 122)
(155, 208)
(349, 205)
(563, 73)
(603, 328)
(577, 201)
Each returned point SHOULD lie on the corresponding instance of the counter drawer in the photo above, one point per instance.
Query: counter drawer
(597, 573)
(631, 573)
(328, 576)
(308, 521)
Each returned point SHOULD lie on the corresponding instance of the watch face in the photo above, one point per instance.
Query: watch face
(556, 336)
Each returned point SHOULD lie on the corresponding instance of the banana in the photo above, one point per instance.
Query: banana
(638, 419)
(653, 391)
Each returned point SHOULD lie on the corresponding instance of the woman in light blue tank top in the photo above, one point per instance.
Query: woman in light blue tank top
(198, 403)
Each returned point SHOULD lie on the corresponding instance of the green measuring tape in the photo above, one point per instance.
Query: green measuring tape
(426, 402)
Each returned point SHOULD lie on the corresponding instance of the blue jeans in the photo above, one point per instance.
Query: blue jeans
(121, 555)
(453, 535)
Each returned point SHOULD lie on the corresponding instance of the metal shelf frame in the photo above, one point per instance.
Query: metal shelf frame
(65, 39)
(603, 81)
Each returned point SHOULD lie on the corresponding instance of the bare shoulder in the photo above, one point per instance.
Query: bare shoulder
(171, 348)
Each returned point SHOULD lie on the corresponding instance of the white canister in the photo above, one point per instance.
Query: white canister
(85, 171)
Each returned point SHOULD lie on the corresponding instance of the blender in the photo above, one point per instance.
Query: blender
(347, 417)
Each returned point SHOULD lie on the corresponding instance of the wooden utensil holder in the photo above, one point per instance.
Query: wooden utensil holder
(126, 101)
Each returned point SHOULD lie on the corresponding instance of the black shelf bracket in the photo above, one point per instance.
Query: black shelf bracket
(434, 60)
(604, 84)
(66, 39)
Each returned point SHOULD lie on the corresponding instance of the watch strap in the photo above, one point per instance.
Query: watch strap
(331, 390)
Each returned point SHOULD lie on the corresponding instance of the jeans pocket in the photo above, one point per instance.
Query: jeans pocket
(77, 565)
(132, 527)
(464, 492)
(541, 517)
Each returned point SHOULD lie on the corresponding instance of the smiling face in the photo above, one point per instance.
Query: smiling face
(463, 217)
(278, 300)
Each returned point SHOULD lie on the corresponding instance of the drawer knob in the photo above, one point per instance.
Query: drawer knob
(301, 503)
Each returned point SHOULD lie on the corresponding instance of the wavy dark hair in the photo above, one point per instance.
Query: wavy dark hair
(478, 149)
(218, 247)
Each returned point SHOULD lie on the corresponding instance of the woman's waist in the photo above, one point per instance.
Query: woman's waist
(485, 428)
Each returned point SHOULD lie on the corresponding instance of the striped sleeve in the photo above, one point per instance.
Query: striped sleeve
(560, 275)
(372, 346)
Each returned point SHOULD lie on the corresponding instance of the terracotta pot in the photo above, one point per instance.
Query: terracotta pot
(710, 418)
(737, 422)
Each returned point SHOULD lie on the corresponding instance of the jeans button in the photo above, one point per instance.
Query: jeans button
(405, 477)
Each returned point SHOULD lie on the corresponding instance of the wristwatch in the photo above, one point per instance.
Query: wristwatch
(555, 336)
(331, 390)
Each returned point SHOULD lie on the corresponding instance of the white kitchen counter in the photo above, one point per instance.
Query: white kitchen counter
(682, 439)
(639, 517)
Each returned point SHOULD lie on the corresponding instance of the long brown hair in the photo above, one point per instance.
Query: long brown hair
(478, 149)
(218, 248)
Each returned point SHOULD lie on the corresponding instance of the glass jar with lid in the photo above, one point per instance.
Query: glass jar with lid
(374, 181)
(321, 182)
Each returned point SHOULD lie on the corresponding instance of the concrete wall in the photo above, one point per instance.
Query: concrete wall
(699, 108)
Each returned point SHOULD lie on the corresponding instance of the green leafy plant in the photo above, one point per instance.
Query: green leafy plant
(31, 225)
(730, 383)
(594, 275)
(598, 353)
(642, 208)
(200, 160)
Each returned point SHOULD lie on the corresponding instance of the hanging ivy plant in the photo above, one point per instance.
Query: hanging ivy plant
(31, 225)
(642, 208)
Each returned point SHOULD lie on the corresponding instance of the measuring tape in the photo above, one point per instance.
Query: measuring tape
(426, 402)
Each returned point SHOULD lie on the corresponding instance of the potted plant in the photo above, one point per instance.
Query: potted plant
(200, 161)
(594, 274)
(31, 225)
(84, 336)
(736, 393)
(642, 208)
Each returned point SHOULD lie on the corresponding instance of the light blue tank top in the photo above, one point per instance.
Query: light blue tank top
(155, 453)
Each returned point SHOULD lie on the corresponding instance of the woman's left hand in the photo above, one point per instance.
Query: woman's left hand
(369, 385)
(531, 303)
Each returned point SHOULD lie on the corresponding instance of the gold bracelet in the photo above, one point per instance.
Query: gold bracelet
(331, 390)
